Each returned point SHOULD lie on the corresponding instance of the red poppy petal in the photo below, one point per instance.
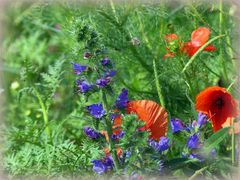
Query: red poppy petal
(200, 36)
(210, 48)
(207, 102)
(154, 115)
(189, 49)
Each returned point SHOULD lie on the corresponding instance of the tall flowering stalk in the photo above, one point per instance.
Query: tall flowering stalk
(108, 123)
(95, 76)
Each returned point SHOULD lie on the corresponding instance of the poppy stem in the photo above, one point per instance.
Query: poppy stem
(108, 124)
(158, 86)
(187, 79)
(200, 50)
(220, 41)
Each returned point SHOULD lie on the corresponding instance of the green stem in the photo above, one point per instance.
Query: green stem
(231, 53)
(198, 172)
(200, 50)
(187, 79)
(45, 114)
(225, 76)
(158, 86)
(108, 123)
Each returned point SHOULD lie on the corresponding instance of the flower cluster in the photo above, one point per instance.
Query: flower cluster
(213, 104)
(102, 81)
(96, 110)
(91, 133)
(102, 166)
(160, 146)
(198, 38)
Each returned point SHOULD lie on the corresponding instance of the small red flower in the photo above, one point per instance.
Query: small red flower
(218, 104)
(170, 38)
(199, 37)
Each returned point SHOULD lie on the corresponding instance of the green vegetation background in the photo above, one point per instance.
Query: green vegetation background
(40, 42)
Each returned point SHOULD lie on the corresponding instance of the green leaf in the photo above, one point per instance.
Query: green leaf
(215, 139)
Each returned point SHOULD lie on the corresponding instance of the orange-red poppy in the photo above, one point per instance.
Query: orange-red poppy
(199, 37)
(148, 111)
(218, 104)
(152, 114)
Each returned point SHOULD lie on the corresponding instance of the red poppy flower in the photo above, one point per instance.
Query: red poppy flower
(199, 37)
(148, 111)
(152, 114)
(218, 104)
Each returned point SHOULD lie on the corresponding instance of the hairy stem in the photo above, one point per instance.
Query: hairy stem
(108, 124)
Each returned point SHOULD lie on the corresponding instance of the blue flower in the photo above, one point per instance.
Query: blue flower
(83, 86)
(78, 69)
(177, 125)
(96, 110)
(160, 146)
(128, 154)
(196, 156)
(193, 142)
(117, 136)
(99, 166)
(102, 82)
(110, 73)
(163, 143)
(202, 119)
(122, 99)
(113, 116)
(108, 162)
(91, 133)
(105, 61)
